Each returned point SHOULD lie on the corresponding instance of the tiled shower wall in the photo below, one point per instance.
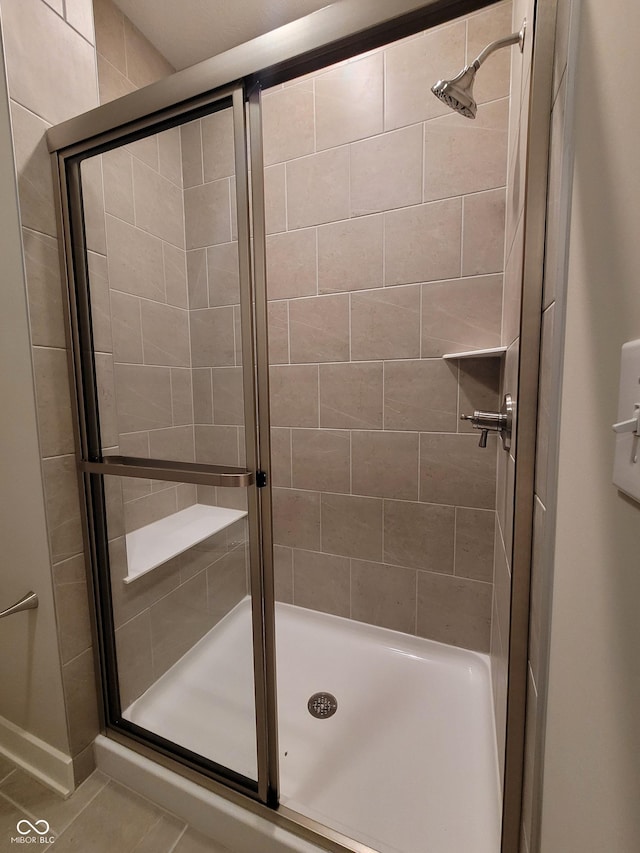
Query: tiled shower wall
(50, 61)
(138, 281)
(385, 215)
(149, 339)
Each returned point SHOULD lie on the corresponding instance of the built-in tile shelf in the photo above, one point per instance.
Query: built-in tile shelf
(152, 545)
(493, 352)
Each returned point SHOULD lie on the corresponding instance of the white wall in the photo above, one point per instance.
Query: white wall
(31, 695)
(592, 757)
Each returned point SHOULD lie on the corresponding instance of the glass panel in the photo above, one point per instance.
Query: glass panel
(385, 215)
(182, 618)
(161, 233)
(160, 224)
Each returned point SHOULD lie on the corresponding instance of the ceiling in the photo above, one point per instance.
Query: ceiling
(189, 31)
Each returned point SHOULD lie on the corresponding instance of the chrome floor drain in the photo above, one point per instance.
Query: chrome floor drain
(322, 705)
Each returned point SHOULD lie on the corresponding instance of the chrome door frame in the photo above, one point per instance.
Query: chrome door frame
(332, 34)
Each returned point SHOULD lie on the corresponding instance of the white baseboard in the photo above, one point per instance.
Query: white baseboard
(50, 766)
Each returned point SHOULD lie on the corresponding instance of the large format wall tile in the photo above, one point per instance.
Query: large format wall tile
(33, 167)
(420, 395)
(191, 144)
(165, 334)
(288, 123)
(321, 459)
(461, 315)
(158, 205)
(294, 395)
(44, 289)
(419, 535)
(348, 102)
(350, 254)
(483, 227)
(385, 464)
(454, 146)
(82, 703)
(278, 328)
(144, 64)
(178, 621)
(413, 66)
(383, 595)
(50, 367)
(218, 151)
(474, 543)
(386, 171)
(291, 264)
(223, 277)
(423, 243)
(109, 27)
(135, 658)
(55, 84)
(482, 29)
(455, 471)
(63, 507)
(117, 171)
(296, 519)
(135, 260)
(318, 188)
(319, 329)
(322, 582)
(385, 324)
(351, 395)
(207, 214)
(454, 610)
(352, 526)
(144, 397)
(212, 337)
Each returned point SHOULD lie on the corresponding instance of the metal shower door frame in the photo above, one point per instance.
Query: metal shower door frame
(330, 35)
(93, 466)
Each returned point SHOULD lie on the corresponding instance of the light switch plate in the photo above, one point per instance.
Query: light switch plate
(626, 472)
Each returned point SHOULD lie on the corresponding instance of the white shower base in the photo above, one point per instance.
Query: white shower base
(406, 765)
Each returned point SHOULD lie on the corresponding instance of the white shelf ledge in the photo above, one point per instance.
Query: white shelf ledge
(154, 544)
(493, 352)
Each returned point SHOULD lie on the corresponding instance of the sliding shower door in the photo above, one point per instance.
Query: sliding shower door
(162, 319)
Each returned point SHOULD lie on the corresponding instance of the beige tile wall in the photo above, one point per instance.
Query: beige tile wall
(208, 168)
(386, 222)
(51, 71)
(139, 280)
(156, 341)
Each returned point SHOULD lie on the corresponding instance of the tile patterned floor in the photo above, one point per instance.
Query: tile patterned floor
(102, 816)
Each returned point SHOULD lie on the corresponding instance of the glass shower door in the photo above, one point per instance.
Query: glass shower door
(162, 316)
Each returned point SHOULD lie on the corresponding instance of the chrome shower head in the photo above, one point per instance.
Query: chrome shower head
(457, 93)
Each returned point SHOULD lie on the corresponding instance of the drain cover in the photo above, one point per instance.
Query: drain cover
(322, 705)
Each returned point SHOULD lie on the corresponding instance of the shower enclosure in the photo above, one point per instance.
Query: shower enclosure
(285, 272)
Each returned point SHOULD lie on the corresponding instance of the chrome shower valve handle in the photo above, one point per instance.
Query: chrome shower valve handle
(500, 422)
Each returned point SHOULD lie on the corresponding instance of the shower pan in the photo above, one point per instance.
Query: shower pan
(275, 538)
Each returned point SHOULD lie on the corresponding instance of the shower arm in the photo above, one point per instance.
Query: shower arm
(507, 41)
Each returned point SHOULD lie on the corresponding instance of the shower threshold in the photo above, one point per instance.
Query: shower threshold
(406, 763)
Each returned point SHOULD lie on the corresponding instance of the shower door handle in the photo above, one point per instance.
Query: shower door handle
(161, 469)
(29, 602)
